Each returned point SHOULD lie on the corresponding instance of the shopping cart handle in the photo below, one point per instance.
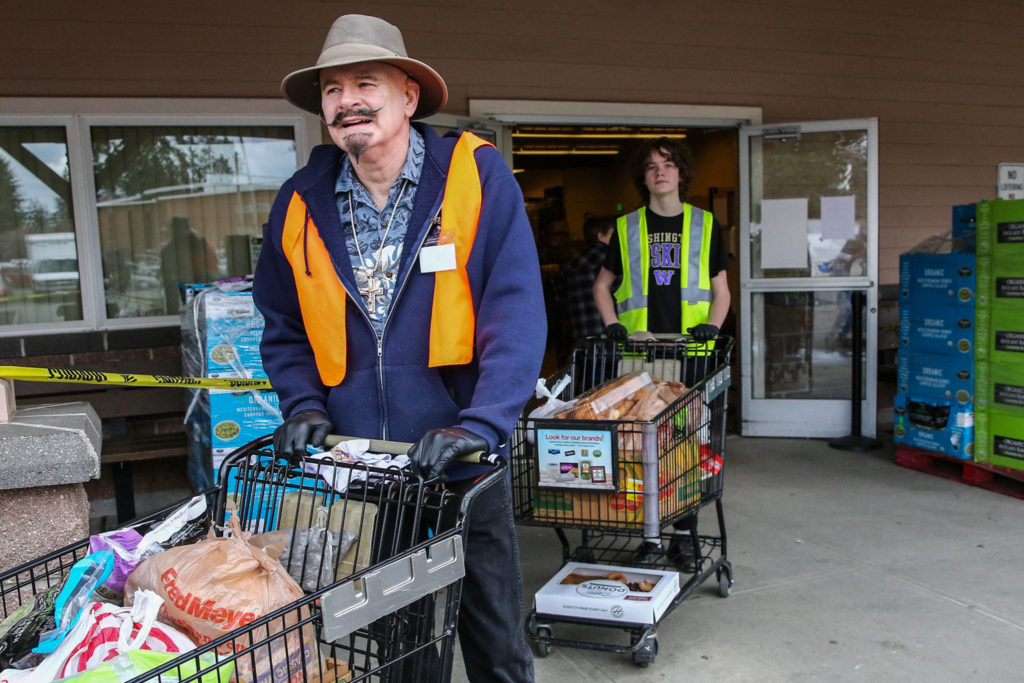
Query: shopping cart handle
(480, 458)
(396, 447)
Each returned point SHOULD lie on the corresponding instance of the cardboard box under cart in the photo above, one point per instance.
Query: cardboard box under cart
(630, 596)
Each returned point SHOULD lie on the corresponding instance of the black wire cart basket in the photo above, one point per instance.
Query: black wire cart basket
(632, 496)
(384, 609)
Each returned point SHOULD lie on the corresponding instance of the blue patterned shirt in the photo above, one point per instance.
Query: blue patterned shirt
(376, 278)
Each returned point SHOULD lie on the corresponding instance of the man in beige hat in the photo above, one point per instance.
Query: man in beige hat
(402, 296)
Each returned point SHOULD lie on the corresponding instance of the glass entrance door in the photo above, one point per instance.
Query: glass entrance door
(808, 240)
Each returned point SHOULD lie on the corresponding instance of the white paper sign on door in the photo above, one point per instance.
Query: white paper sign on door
(784, 233)
(838, 218)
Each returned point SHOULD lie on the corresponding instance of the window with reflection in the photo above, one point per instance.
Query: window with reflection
(182, 204)
(808, 208)
(39, 279)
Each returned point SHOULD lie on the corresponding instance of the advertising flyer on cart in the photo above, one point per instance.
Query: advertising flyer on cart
(572, 458)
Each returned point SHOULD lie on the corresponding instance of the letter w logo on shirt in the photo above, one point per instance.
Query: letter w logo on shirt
(663, 277)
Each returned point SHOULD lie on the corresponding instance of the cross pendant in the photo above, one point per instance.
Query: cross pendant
(374, 292)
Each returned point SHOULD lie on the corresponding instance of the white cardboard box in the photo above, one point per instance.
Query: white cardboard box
(592, 595)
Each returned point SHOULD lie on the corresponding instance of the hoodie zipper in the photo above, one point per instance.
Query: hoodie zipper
(383, 330)
(366, 316)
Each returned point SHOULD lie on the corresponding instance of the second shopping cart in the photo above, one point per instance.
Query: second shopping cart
(629, 464)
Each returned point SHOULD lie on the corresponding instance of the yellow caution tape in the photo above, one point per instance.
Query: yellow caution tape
(126, 379)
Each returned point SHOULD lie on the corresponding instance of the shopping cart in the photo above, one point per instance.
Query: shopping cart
(386, 610)
(667, 468)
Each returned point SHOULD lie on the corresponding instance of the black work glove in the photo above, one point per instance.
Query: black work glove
(432, 452)
(616, 332)
(304, 427)
(703, 332)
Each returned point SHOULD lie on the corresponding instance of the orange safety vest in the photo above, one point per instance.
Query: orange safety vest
(322, 299)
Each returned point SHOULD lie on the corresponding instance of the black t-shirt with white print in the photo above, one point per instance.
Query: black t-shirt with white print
(664, 313)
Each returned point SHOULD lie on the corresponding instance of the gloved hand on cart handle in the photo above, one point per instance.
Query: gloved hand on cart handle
(432, 452)
(616, 332)
(304, 427)
(704, 332)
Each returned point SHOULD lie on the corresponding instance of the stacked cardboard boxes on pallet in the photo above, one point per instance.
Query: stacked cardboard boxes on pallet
(935, 368)
(999, 351)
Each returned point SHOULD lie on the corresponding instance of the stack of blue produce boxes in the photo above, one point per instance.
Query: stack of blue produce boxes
(965, 228)
(935, 370)
(221, 333)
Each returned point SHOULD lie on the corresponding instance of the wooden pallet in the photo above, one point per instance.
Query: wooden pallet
(999, 479)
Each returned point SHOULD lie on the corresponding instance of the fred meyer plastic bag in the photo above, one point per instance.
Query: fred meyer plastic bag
(220, 585)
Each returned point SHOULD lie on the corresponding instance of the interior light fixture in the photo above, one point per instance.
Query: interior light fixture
(602, 136)
(559, 152)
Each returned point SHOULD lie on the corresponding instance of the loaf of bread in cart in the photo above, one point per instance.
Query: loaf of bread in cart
(607, 401)
(635, 397)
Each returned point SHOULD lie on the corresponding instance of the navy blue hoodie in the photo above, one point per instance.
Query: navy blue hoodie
(396, 396)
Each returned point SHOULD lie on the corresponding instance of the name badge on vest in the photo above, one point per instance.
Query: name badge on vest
(437, 258)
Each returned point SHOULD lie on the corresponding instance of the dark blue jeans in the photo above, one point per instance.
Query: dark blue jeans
(490, 632)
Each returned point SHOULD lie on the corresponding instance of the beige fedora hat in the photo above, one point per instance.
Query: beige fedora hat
(356, 38)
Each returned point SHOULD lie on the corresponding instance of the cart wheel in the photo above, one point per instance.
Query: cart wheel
(543, 648)
(646, 654)
(584, 554)
(724, 583)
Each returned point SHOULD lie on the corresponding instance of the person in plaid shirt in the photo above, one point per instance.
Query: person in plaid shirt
(580, 275)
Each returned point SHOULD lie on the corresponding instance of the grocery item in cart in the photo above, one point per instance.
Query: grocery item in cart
(551, 405)
(221, 584)
(187, 524)
(85, 576)
(349, 517)
(137, 662)
(115, 630)
(102, 633)
(19, 632)
(309, 554)
(677, 489)
(634, 397)
(608, 401)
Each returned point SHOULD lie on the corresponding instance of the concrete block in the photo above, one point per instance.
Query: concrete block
(36, 521)
(50, 445)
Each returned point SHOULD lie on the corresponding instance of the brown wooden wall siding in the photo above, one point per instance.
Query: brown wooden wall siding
(943, 77)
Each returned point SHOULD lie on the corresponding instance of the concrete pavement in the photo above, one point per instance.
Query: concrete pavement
(848, 567)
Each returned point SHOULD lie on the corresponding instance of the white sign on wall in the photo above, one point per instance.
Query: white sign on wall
(1011, 181)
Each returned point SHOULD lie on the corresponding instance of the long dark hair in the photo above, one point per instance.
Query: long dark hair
(676, 152)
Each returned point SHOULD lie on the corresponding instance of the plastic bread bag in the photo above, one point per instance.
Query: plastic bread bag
(608, 401)
(220, 585)
(551, 405)
(651, 401)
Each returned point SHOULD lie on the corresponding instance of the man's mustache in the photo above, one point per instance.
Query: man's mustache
(342, 115)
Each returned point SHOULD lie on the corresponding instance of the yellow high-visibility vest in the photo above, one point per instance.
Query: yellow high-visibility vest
(694, 267)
